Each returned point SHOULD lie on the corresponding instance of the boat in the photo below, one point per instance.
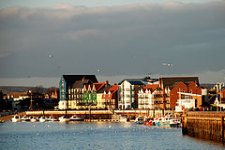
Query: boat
(42, 119)
(33, 119)
(64, 119)
(25, 119)
(139, 120)
(16, 118)
(76, 118)
(175, 123)
(52, 119)
(123, 119)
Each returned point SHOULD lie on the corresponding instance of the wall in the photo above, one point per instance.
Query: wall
(204, 125)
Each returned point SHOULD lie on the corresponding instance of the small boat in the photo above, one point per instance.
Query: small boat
(16, 118)
(2, 121)
(64, 119)
(52, 119)
(175, 123)
(124, 119)
(33, 119)
(42, 119)
(139, 120)
(76, 118)
(25, 119)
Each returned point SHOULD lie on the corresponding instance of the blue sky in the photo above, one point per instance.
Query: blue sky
(41, 40)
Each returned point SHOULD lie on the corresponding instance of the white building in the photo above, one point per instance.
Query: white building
(129, 93)
(184, 104)
(145, 99)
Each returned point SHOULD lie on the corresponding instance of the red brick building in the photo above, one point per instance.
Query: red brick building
(174, 85)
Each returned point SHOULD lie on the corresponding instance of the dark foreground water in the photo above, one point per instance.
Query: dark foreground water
(96, 136)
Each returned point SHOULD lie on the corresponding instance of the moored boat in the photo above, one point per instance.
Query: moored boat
(33, 119)
(52, 119)
(64, 119)
(175, 123)
(76, 118)
(42, 119)
(16, 118)
(124, 119)
(139, 120)
(25, 118)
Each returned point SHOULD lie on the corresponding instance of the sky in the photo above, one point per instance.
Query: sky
(113, 39)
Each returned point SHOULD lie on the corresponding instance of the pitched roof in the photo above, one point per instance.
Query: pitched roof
(99, 85)
(113, 89)
(169, 81)
(151, 87)
(71, 79)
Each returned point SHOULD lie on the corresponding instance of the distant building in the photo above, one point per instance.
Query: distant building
(110, 97)
(129, 93)
(146, 96)
(70, 90)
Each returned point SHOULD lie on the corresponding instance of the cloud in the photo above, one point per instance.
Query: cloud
(121, 40)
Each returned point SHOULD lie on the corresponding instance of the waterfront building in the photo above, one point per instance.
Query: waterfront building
(110, 97)
(172, 85)
(189, 92)
(146, 96)
(70, 90)
(129, 93)
(92, 95)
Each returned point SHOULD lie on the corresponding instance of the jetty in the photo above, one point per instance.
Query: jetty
(94, 115)
(204, 125)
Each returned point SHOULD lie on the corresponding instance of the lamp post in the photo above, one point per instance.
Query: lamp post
(31, 100)
(90, 112)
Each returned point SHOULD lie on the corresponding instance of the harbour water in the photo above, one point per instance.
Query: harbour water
(96, 136)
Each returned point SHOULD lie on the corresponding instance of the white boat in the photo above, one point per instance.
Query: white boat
(76, 118)
(139, 120)
(175, 122)
(25, 119)
(42, 119)
(33, 119)
(16, 118)
(64, 119)
(52, 119)
(124, 119)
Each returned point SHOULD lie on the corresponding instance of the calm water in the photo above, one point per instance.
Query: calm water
(96, 136)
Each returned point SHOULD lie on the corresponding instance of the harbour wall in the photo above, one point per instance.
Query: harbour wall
(204, 125)
(101, 114)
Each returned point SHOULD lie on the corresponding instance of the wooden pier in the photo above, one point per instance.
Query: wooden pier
(204, 125)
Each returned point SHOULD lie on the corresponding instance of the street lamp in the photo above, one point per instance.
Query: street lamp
(31, 100)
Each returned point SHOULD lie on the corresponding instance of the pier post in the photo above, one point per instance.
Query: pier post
(89, 113)
(184, 124)
(222, 129)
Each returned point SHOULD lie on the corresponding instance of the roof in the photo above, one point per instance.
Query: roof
(151, 87)
(169, 81)
(207, 85)
(133, 81)
(100, 85)
(71, 79)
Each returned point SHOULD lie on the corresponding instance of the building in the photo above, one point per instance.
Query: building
(146, 97)
(129, 93)
(92, 95)
(70, 90)
(110, 97)
(189, 92)
(172, 85)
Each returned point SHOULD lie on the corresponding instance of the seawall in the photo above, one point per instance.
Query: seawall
(204, 125)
